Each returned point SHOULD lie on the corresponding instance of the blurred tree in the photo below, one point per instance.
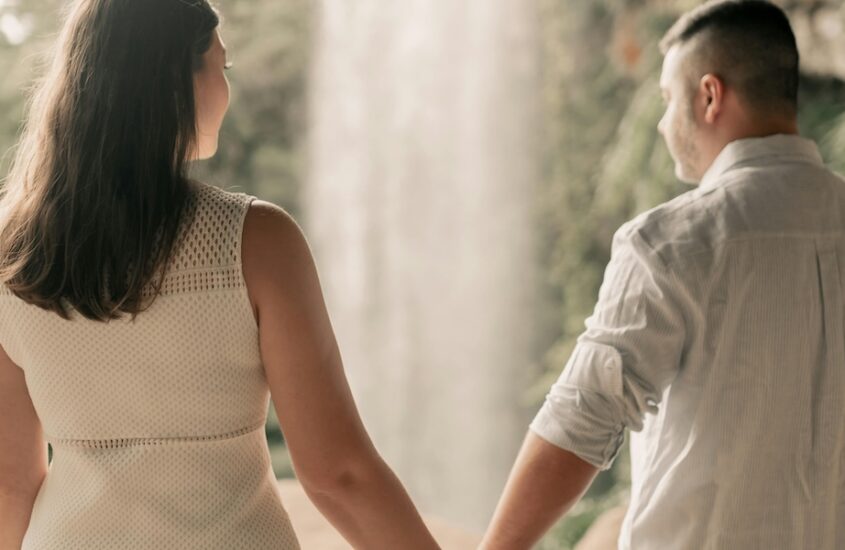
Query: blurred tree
(262, 140)
(25, 29)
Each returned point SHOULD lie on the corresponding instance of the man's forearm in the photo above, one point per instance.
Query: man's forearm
(546, 481)
(15, 513)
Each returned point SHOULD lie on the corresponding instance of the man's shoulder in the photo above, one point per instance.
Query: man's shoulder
(745, 201)
(692, 223)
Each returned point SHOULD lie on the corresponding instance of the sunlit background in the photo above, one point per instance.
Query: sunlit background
(459, 167)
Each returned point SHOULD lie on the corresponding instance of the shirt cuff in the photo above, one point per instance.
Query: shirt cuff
(566, 420)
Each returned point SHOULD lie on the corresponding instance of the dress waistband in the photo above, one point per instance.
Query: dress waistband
(119, 443)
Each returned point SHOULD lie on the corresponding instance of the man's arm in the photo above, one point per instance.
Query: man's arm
(617, 373)
(546, 481)
(23, 455)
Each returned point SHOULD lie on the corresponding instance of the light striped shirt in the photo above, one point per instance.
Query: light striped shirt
(718, 341)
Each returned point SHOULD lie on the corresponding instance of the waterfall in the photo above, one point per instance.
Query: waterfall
(419, 207)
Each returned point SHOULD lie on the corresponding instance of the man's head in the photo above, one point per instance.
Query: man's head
(730, 72)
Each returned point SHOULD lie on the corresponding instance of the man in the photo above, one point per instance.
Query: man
(718, 336)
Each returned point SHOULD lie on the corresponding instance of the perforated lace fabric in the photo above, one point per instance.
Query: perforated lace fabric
(156, 425)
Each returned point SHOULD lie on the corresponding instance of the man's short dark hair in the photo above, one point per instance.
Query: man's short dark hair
(748, 43)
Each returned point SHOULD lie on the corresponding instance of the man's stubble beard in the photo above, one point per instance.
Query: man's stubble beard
(686, 148)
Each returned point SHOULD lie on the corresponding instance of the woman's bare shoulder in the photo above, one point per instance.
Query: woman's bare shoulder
(274, 252)
(264, 220)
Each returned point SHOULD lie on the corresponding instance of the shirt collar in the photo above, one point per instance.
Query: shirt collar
(760, 150)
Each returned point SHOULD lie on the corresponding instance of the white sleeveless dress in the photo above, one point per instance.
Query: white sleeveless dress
(157, 426)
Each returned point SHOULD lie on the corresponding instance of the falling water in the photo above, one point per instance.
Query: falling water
(419, 209)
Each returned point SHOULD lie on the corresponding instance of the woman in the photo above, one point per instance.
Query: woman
(145, 318)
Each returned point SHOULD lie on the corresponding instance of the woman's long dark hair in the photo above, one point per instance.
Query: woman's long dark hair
(91, 209)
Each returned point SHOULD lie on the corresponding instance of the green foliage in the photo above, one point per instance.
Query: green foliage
(19, 62)
(823, 118)
(262, 139)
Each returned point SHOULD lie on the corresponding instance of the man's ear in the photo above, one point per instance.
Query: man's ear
(711, 90)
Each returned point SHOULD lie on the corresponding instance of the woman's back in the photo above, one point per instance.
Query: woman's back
(156, 424)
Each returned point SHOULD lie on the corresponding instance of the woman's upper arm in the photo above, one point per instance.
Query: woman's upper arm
(323, 430)
(23, 451)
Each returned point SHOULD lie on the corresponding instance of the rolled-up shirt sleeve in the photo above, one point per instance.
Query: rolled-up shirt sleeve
(629, 353)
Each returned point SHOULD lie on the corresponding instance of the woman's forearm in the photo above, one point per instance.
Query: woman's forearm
(373, 511)
(15, 513)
